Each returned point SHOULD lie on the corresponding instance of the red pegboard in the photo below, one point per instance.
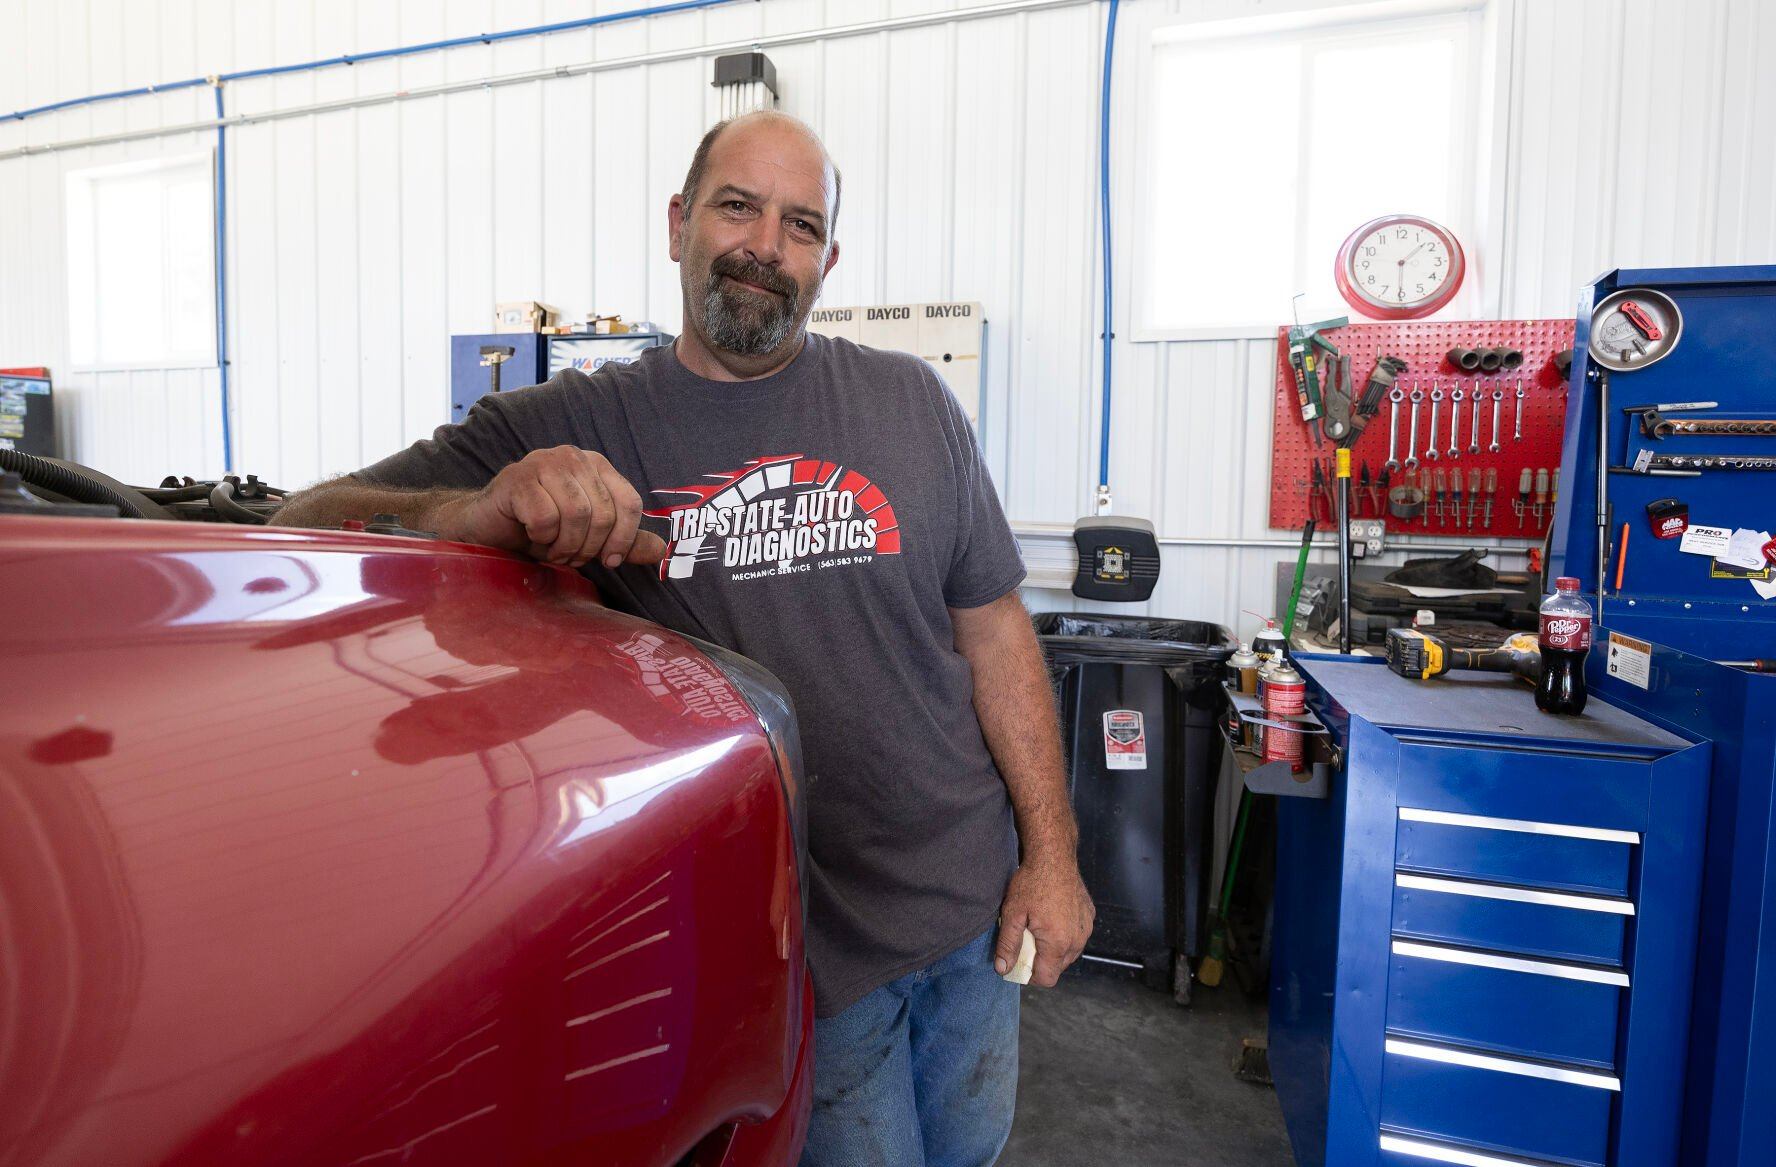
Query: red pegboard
(1423, 345)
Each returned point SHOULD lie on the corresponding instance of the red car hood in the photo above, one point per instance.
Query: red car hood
(323, 847)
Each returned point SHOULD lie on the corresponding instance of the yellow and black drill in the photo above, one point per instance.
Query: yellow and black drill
(1419, 656)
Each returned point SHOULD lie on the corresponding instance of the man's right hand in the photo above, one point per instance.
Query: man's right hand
(565, 505)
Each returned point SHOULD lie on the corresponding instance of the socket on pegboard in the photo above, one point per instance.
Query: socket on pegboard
(1424, 346)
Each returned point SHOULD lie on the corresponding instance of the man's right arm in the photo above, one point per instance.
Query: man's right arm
(330, 503)
(563, 505)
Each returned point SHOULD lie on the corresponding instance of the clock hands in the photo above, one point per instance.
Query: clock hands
(1400, 290)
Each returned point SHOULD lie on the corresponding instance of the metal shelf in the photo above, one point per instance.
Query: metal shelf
(1319, 754)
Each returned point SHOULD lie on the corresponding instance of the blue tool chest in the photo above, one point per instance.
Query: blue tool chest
(1485, 931)
(1685, 614)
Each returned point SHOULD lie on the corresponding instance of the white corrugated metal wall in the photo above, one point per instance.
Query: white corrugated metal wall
(1629, 132)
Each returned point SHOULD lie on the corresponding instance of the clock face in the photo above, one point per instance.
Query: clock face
(1400, 267)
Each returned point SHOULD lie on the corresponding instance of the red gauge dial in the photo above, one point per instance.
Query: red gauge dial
(1400, 267)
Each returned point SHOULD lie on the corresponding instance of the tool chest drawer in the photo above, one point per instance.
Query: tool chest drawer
(1497, 1104)
(1517, 851)
(1509, 918)
(1406, 1149)
(1516, 1005)
(1597, 790)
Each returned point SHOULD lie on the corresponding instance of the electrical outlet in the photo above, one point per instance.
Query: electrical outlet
(1368, 537)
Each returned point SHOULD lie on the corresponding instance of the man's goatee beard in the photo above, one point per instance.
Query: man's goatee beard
(750, 324)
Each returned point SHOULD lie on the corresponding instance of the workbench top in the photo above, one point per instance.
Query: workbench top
(1477, 703)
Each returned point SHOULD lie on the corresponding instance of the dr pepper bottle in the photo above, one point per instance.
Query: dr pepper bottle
(1565, 639)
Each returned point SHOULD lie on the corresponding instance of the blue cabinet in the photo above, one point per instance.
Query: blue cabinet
(530, 358)
(1485, 933)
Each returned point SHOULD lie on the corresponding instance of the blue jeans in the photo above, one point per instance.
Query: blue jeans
(920, 1073)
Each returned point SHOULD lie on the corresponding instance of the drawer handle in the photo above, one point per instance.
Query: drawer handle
(1451, 818)
(1473, 1059)
(1520, 895)
(1454, 1153)
(1483, 959)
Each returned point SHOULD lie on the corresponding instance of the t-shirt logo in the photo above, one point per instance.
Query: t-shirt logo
(777, 516)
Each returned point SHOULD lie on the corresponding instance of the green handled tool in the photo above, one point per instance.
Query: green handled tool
(1213, 965)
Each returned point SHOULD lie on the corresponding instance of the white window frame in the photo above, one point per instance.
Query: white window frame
(1480, 169)
(78, 186)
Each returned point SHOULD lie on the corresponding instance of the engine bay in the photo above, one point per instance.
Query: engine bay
(35, 485)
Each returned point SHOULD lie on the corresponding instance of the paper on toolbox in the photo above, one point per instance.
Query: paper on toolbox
(1745, 549)
(1709, 541)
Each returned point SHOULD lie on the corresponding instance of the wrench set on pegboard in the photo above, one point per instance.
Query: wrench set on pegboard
(1470, 455)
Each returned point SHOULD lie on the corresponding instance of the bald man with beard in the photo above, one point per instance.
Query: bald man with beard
(822, 508)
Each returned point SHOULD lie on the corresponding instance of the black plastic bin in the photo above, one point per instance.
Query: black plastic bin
(1139, 698)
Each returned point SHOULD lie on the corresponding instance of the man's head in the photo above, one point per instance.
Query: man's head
(752, 232)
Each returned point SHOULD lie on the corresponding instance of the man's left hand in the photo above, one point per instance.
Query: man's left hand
(1048, 898)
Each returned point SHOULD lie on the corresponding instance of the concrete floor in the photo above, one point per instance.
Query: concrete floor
(1114, 1073)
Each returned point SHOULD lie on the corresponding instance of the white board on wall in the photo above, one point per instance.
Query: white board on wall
(947, 336)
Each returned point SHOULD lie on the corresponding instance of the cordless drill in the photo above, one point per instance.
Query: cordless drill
(1419, 656)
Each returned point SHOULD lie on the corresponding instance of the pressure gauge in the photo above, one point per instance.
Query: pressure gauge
(1633, 327)
(1400, 267)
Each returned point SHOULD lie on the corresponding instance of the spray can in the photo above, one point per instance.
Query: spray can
(1269, 643)
(1285, 696)
(1255, 730)
(1242, 670)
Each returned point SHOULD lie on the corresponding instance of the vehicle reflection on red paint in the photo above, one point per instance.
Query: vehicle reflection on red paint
(402, 861)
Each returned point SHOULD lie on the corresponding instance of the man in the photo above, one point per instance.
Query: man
(823, 509)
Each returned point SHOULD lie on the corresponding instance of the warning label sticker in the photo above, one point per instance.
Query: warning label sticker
(1125, 740)
(1631, 660)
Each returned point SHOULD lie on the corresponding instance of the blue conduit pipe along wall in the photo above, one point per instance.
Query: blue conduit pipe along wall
(218, 80)
(221, 185)
(1104, 218)
(484, 38)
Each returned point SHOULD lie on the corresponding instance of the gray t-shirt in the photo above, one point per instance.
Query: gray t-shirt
(821, 521)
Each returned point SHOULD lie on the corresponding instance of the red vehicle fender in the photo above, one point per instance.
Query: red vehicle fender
(337, 848)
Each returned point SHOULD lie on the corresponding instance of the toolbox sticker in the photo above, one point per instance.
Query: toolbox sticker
(1125, 740)
(1721, 569)
(1631, 660)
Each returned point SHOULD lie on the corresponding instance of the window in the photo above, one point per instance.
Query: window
(1268, 142)
(141, 264)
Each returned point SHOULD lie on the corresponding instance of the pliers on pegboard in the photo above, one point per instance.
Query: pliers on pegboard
(1320, 488)
(1366, 490)
(1335, 424)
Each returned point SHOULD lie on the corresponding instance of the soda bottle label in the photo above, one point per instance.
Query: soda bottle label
(1571, 633)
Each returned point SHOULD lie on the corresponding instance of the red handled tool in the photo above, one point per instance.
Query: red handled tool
(1635, 313)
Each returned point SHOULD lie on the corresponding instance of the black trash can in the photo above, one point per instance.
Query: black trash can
(1139, 698)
